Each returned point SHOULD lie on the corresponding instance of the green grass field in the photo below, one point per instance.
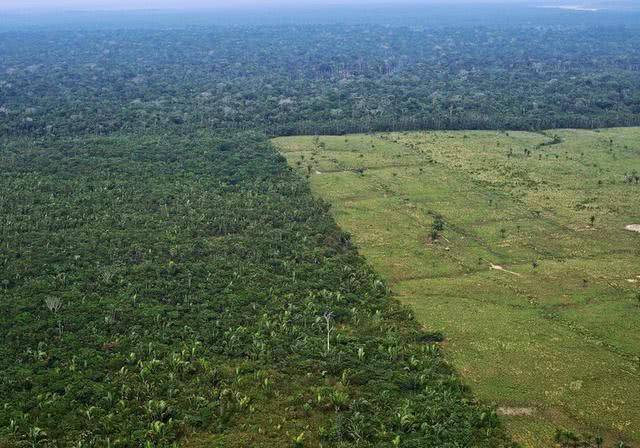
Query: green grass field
(534, 279)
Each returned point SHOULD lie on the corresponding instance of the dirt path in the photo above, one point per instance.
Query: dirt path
(497, 267)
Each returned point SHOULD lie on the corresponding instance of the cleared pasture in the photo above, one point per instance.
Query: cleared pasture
(534, 280)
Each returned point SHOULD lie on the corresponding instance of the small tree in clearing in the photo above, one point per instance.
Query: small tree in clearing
(437, 226)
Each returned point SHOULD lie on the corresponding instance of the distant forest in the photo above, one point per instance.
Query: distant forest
(317, 79)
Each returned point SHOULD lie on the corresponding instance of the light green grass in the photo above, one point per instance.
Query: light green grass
(562, 338)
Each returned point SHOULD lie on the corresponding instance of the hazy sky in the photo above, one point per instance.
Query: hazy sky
(191, 4)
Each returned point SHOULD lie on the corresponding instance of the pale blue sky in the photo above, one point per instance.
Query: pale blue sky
(194, 4)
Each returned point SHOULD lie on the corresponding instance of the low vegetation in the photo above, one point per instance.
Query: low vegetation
(514, 245)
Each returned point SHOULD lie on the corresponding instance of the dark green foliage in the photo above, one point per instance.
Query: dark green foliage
(632, 178)
(154, 287)
(319, 79)
(568, 439)
(437, 226)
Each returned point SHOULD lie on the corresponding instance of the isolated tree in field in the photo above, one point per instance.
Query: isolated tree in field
(437, 226)
(592, 220)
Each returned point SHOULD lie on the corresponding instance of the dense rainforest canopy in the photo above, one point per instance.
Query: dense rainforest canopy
(152, 288)
(319, 79)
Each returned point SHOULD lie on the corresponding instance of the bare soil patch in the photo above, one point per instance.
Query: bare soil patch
(500, 268)
(516, 412)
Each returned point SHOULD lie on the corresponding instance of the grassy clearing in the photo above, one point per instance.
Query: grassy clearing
(555, 330)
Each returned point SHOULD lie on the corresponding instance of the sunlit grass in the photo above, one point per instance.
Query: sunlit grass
(533, 278)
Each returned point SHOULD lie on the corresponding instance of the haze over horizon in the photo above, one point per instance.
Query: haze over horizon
(235, 4)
